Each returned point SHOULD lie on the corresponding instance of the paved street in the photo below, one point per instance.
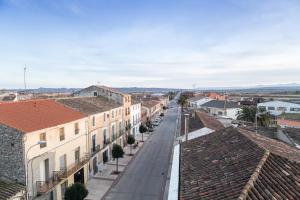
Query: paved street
(145, 177)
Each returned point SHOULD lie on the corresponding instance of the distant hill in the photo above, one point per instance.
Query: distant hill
(278, 88)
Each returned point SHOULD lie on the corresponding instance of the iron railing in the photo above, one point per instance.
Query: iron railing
(45, 186)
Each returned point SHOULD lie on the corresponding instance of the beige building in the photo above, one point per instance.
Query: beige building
(112, 95)
(152, 109)
(106, 126)
(43, 145)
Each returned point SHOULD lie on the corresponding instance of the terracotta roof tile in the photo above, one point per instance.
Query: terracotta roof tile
(238, 164)
(209, 121)
(29, 116)
(89, 105)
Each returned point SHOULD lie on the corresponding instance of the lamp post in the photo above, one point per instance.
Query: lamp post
(27, 162)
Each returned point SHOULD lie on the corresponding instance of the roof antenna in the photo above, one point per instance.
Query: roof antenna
(25, 77)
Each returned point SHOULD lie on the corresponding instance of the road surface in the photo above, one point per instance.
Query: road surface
(145, 177)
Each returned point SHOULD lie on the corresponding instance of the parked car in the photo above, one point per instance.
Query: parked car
(162, 114)
(150, 129)
(155, 123)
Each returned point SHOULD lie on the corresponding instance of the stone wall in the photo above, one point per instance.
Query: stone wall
(11, 154)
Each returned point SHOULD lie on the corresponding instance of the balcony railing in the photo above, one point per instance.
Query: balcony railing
(76, 166)
(45, 186)
(95, 150)
(106, 142)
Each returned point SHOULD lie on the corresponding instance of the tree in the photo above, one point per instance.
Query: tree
(182, 101)
(130, 141)
(77, 191)
(117, 152)
(247, 114)
(142, 130)
(265, 119)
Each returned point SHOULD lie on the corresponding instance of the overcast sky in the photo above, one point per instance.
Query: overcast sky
(149, 43)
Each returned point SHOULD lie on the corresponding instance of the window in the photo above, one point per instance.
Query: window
(104, 116)
(281, 109)
(43, 138)
(95, 94)
(94, 121)
(62, 134)
(262, 108)
(295, 109)
(76, 128)
(113, 114)
(77, 155)
(271, 108)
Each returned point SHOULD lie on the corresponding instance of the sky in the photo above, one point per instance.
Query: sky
(149, 43)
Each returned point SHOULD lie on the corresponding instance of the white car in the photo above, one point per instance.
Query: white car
(155, 123)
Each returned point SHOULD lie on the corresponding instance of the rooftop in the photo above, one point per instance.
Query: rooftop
(221, 104)
(238, 164)
(9, 190)
(89, 105)
(33, 115)
(209, 121)
(97, 87)
(150, 103)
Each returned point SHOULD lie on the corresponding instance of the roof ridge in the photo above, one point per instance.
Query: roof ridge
(254, 176)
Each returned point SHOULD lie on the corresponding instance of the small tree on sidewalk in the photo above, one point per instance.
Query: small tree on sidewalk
(77, 191)
(130, 141)
(142, 130)
(117, 152)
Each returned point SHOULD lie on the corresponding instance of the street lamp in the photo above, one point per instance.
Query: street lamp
(27, 162)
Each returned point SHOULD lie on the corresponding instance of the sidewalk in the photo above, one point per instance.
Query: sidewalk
(102, 181)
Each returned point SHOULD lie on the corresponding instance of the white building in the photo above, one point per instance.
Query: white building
(278, 107)
(226, 109)
(196, 102)
(135, 121)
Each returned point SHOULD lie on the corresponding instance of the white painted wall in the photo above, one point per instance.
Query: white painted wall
(279, 107)
(135, 120)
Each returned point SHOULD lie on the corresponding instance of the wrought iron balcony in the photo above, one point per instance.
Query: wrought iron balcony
(95, 150)
(45, 186)
(71, 169)
(106, 142)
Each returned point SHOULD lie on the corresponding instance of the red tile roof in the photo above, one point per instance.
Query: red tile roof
(29, 116)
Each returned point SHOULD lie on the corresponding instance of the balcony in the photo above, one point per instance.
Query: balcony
(45, 186)
(106, 142)
(95, 150)
(76, 166)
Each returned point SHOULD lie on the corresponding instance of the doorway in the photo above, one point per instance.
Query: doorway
(79, 176)
(105, 156)
(95, 167)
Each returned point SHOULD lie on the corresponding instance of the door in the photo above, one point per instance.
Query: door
(95, 168)
(47, 173)
(63, 162)
(79, 176)
(94, 143)
(105, 156)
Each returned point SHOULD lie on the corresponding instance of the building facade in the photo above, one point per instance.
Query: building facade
(135, 121)
(48, 144)
(279, 107)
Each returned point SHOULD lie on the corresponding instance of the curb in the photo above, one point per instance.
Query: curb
(166, 192)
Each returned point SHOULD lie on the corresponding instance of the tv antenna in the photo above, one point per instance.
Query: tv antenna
(25, 68)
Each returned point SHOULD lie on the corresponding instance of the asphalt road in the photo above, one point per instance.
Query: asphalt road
(145, 177)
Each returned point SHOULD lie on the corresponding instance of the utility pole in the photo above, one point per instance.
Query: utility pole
(225, 105)
(25, 77)
(186, 130)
